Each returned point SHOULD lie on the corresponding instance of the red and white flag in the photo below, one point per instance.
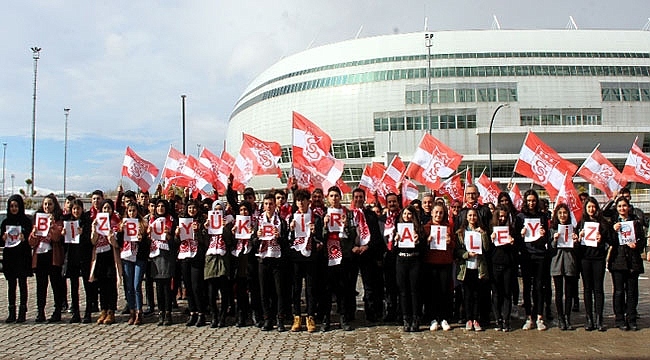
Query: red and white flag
(540, 163)
(393, 175)
(370, 180)
(432, 161)
(601, 173)
(311, 153)
(452, 187)
(204, 178)
(216, 165)
(488, 190)
(515, 196)
(569, 195)
(176, 171)
(256, 157)
(141, 171)
(637, 166)
(410, 192)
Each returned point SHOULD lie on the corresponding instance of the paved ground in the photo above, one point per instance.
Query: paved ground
(79, 341)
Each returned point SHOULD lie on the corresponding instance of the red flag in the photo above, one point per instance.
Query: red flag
(601, 173)
(410, 192)
(432, 160)
(393, 175)
(569, 195)
(216, 165)
(203, 177)
(542, 164)
(175, 170)
(452, 187)
(371, 179)
(637, 166)
(515, 196)
(468, 177)
(311, 153)
(256, 157)
(488, 189)
(142, 172)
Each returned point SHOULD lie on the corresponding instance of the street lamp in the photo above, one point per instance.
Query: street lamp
(66, 112)
(490, 138)
(428, 42)
(4, 168)
(198, 150)
(183, 104)
(36, 54)
(13, 177)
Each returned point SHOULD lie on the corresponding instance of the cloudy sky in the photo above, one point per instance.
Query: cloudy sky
(121, 66)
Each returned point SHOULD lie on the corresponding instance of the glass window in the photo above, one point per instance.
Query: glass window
(338, 150)
(434, 123)
(367, 149)
(354, 152)
(413, 97)
(446, 95)
(592, 120)
(286, 155)
(471, 121)
(414, 123)
(397, 123)
(611, 94)
(447, 121)
(381, 124)
(461, 121)
(465, 95)
(631, 94)
(645, 94)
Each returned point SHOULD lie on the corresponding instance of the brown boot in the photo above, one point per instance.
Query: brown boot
(110, 317)
(102, 317)
(296, 324)
(311, 324)
(138, 318)
(131, 318)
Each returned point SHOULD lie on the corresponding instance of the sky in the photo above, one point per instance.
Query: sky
(122, 66)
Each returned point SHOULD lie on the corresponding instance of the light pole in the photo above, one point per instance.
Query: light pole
(4, 169)
(490, 138)
(183, 104)
(66, 112)
(13, 177)
(36, 54)
(198, 150)
(428, 42)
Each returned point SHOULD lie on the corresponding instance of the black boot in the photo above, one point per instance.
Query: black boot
(589, 323)
(415, 325)
(87, 318)
(280, 324)
(56, 316)
(194, 317)
(222, 319)
(561, 322)
(12, 314)
(168, 318)
(345, 324)
(22, 314)
(241, 319)
(567, 320)
(40, 316)
(599, 323)
(326, 324)
(215, 321)
(200, 321)
(268, 325)
(161, 318)
(76, 318)
(407, 326)
(258, 319)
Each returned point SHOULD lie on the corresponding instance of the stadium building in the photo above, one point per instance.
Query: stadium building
(377, 96)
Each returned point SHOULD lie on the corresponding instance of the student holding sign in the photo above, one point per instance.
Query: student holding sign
(596, 234)
(437, 269)
(564, 264)
(47, 259)
(192, 241)
(17, 256)
(504, 265)
(409, 244)
(132, 238)
(532, 225)
(162, 259)
(471, 264)
(304, 241)
(107, 265)
(625, 264)
(76, 242)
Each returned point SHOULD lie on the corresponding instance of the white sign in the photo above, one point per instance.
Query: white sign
(243, 227)
(215, 222)
(42, 224)
(533, 229)
(302, 224)
(130, 227)
(626, 233)
(267, 229)
(13, 235)
(473, 242)
(158, 230)
(103, 223)
(335, 223)
(565, 238)
(590, 232)
(501, 235)
(72, 232)
(186, 230)
(438, 238)
(406, 233)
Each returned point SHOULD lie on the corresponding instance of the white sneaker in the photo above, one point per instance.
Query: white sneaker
(434, 326)
(445, 325)
(540, 325)
(528, 325)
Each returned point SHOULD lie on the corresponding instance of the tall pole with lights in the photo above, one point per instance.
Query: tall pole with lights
(428, 42)
(490, 138)
(183, 105)
(66, 112)
(36, 54)
(4, 169)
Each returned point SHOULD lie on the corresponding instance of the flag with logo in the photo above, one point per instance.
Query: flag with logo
(452, 187)
(256, 157)
(488, 190)
(601, 173)
(432, 161)
(141, 171)
(515, 196)
(540, 163)
(637, 166)
(218, 167)
(410, 192)
(569, 195)
(370, 180)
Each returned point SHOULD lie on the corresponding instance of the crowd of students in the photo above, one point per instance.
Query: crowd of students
(423, 265)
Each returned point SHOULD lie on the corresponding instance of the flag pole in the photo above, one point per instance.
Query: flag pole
(588, 157)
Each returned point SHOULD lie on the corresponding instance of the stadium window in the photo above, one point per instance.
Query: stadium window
(461, 121)
(413, 123)
(414, 97)
(471, 121)
(610, 94)
(434, 123)
(447, 121)
(645, 94)
(396, 123)
(631, 94)
(353, 150)
(446, 95)
(367, 149)
(338, 150)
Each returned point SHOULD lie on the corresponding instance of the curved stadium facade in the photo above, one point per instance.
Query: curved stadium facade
(574, 88)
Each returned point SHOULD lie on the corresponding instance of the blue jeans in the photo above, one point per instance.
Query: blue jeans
(133, 274)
